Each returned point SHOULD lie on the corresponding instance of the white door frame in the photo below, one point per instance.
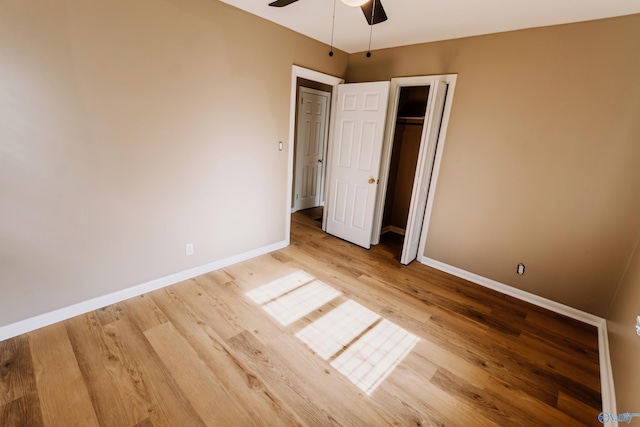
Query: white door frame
(316, 76)
(424, 166)
(396, 85)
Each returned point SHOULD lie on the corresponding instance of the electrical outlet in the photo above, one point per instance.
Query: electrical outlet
(189, 249)
(638, 325)
(520, 269)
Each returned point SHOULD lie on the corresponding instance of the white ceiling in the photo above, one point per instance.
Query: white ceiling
(419, 21)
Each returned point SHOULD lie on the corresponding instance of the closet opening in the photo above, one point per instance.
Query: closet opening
(409, 124)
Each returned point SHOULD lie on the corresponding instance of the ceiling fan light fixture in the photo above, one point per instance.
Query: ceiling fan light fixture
(354, 3)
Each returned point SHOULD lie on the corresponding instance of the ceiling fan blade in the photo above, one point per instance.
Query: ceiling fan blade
(282, 3)
(379, 16)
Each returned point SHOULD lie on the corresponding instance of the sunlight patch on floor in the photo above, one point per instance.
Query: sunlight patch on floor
(337, 329)
(300, 302)
(360, 344)
(279, 287)
(375, 355)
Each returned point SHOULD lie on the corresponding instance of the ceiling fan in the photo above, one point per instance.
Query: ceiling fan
(372, 9)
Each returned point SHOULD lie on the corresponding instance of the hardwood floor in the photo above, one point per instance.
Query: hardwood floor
(308, 335)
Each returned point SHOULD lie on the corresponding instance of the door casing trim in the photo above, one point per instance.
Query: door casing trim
(305, 73)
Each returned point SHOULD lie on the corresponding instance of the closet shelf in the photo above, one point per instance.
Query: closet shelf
(404, 119)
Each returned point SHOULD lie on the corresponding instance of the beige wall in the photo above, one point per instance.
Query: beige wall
(542, 155)
(130, 128)
(624, 343)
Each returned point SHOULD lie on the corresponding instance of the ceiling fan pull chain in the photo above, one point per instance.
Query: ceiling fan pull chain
(333, 25)
(373, 14)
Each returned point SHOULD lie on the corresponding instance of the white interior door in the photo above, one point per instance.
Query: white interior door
(426, 155)
(312, 131)
(355, 160)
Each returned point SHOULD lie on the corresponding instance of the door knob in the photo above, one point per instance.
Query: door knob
(371, 180)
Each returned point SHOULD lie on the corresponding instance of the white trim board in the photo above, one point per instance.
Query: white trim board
(46, 319)
(606, 375)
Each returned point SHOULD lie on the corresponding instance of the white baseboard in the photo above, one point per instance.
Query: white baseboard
(294, 209)
(392, 229)
(606, 375)
(33, 323)
(607, 388)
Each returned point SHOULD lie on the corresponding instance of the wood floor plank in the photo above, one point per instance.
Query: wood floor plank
(333, 399)
(486, 384)
(517, 367)
(495, 360)
(441, 282)
(427, 353)
(208, 396)
(547, 359)
(257, 272)
(220, 276)
(467, 310)
(375, 294)
(578, 410)
(561, 322)
(145, 423)
(564, 343)
(144, 312)
(498, 411)
(110, 313)
(209, 306)
(168, 405)
(524, 405)
(584, 371)
(410, 411)
(246, 387)
(22, 412)
(413, 410)
(392, 299)
(54, 364)
(16, 369)
(105, 369)
(547, 329)
(436, 406)
(230, 303)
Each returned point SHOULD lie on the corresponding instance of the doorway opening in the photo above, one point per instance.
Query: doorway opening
(409, 124)
(310, 146)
